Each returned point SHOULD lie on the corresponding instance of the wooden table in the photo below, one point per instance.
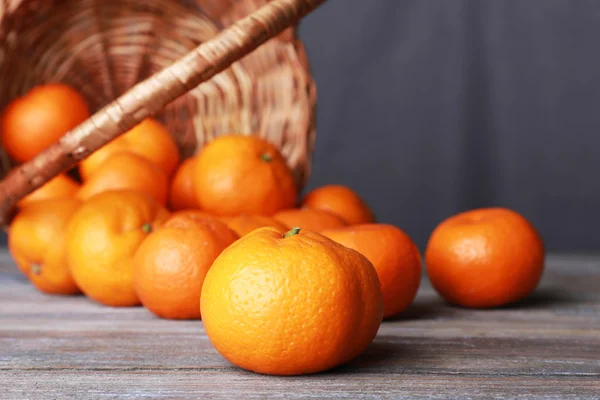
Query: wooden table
(546, 347)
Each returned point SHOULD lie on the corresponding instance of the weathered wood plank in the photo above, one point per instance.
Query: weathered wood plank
(219, 384)
(545, 347)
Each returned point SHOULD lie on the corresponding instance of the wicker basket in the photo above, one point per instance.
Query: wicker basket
(105, 48)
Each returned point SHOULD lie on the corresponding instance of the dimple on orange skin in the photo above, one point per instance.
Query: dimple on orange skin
(171, 263)
(395, 257)
(342, 201)
(102, 238)
(36, 241)
(238, 174)
(485, 258)
(310, 219)
(149, 139)
(291, 305)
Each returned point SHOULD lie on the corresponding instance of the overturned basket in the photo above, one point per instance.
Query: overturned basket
(133, 59)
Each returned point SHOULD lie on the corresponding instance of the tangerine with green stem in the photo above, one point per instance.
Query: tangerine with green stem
(102, 238)
(171, 263)
(290, 303)
(37, 242)
(243, 174)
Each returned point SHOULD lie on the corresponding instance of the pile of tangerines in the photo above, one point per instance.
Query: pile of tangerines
(283, 284)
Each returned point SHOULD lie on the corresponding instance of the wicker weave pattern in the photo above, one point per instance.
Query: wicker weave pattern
(104, 47)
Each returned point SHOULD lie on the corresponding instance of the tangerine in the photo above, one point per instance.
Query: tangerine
(149, 139)
(238, 174)
(484, 258)
(342, 201)
(37, 242)
(290, 303)
(181, 194)
(36, 120)
(308, 218)
(61, 186)
(102, 238)
(127, 170)
(171, 263)
(244, 224)
(395, 257)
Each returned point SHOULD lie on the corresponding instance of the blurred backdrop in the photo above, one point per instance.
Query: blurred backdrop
(431, 107)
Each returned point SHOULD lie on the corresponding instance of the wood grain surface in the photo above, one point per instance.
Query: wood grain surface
(547, 347)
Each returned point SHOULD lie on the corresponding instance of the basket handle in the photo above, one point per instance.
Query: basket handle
(150, 96)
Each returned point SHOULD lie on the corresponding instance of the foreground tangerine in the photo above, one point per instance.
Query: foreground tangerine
(393, 254)
(36, 241)
(171, 263)
(290, 303)
(238, 174)
(34, 121)
(485, 258)
(342, 201)
(102, 238)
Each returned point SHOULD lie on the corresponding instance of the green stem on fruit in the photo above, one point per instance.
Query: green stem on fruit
(147, 227)
(291, 232)
(36, 269)
(266, 157)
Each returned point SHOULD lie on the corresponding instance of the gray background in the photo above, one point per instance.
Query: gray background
(430, 107)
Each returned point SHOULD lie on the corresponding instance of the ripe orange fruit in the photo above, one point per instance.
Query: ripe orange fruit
(149, 139)
(34, 121)
(395, 257)
(59, 187)
(36, 241)
(127, 171)
(484, 258)
(311, 219)
(244, 224)
(102, 238)
(194, 213)
(342, 201)
(181, 194)
(170, 265)
(237, 174)
(290, 303)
